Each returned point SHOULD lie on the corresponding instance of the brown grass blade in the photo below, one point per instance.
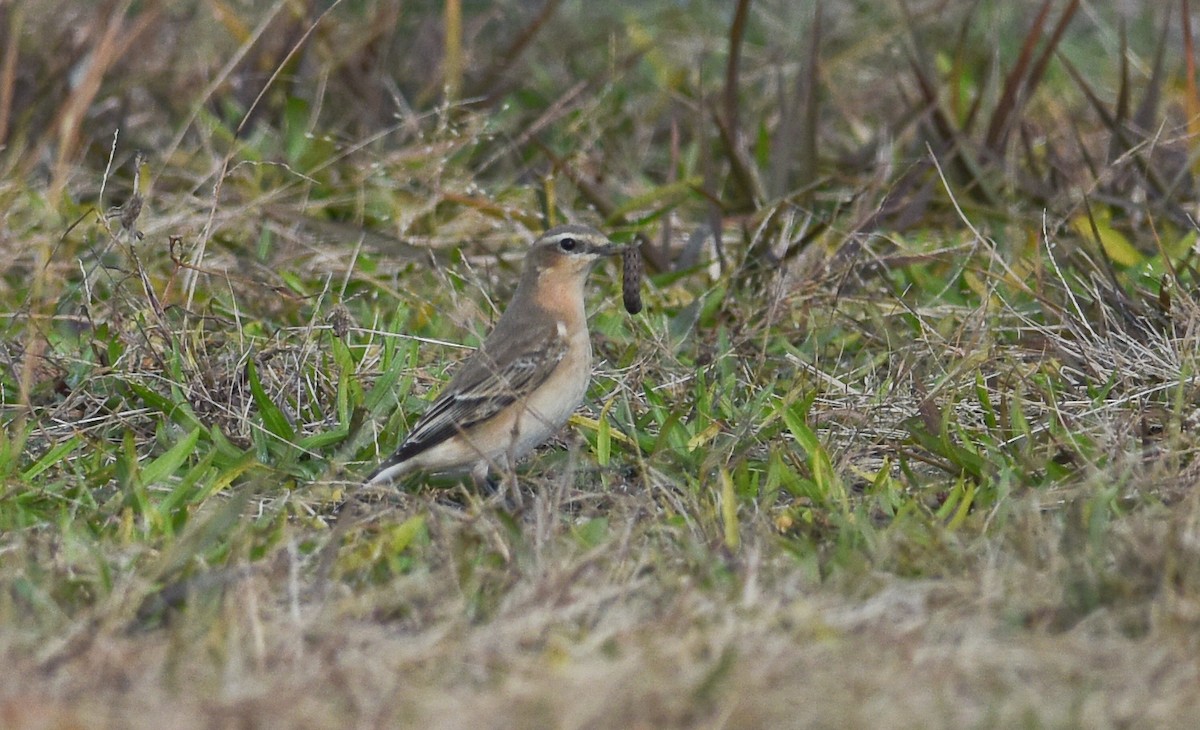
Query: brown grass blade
(1013, 82)
(745, 177)
(808, 135)
(452, 54)
(1084, 154)
(798, 131)
(590, 190)
(1121, 114)
(15, 17)
(729, 123)
(1097, 104)
(490, 86)
(737, 33)
(1147, 111)
(1019, 86)
(1039, 67)
(946, 133)
(1126, 140)
(1192, 97)
(113, 41)
(949, 141)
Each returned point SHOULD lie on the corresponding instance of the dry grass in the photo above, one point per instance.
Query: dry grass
(904, 436)
(609, 638)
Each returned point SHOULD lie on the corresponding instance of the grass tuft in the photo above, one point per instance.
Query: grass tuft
(903, 435)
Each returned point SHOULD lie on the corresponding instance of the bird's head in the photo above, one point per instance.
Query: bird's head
(569, 251)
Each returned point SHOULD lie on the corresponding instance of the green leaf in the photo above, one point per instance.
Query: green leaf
(592, 533)
(296, 118)
(189, 480)
(824, 478)
(945, 446)
(294, 282)
(349, 391)
(604, 436)
(323, 439)
(383, 393)
(170, 461)
(272, 417)
(729, 519)
(958, 504)
(1115, 244)
(403, 534)
(226, 477)
(51, 457)
(177, 409)
(210, 530)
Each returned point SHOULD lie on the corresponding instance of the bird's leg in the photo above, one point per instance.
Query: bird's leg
(490, 486)
(484, 482)
(514, 487)
(508, 463)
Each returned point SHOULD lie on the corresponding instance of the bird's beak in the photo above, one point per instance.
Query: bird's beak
(610, 249)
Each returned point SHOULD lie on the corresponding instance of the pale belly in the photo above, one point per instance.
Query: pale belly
(521, 429)
(548, 408)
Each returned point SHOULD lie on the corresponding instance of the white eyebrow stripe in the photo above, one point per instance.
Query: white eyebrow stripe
(566, 234)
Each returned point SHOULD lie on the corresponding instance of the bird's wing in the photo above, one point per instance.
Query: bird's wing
(499, 374)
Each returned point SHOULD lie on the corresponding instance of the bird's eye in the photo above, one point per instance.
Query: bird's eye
(568, 244)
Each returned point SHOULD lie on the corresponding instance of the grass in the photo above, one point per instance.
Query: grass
(904, 435)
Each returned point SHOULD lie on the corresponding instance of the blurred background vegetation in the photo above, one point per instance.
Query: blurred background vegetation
(920, 305)
(833, 108)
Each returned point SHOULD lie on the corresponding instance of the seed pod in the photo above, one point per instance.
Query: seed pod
(631, 279)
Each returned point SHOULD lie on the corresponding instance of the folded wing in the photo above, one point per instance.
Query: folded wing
(497, 376)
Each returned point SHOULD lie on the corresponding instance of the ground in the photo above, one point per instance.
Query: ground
(902, 438)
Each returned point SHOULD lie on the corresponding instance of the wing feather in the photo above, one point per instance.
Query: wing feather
(489, 381)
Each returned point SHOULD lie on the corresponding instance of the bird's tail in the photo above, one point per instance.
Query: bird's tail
(388, 470)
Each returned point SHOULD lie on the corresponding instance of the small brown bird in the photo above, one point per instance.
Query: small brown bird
(529, 376)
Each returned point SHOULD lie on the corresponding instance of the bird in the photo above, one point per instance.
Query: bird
(526, 379)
